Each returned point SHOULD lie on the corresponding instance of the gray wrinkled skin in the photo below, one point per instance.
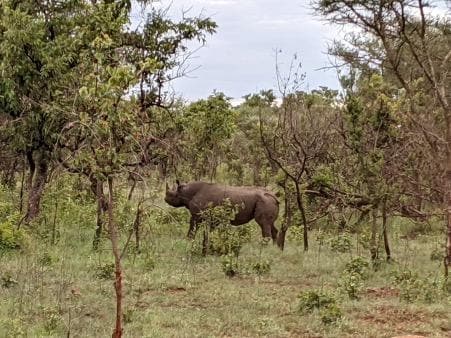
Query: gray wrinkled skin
(257, 203)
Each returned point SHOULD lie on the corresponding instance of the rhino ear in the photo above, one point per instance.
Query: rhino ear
(167, 186)
(178, 183)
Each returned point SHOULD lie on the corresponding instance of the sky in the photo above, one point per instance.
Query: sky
(240, 57)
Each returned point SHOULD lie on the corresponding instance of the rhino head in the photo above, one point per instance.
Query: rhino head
(173, 197)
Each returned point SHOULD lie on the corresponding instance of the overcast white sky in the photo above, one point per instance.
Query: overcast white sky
(240, 58)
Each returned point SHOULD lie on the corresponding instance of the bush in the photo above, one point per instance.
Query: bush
(358, 266)
(10, 237)
(227, 239)
(105, 271)
(351, 284)
(296, 233)
(341, 243)
(331, 314)
(438, 254)
(7, 281)
(311, 300)
(262, 267)
(222, 238)
(355, 272)
(230, 265)
(318, 301)
(413, 288)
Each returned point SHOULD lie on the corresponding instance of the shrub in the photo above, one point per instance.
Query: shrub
(438, 254)
(105, 271)
(413, 288)
(311, 300)
(318, 301)
(46, 259)
(7, 281)
(355, 272)
(351, 284)
(296, 233)
(11, 237)
(226, 239)
(341, 243)
(52, 320)
(262, 267)
(221, 237)
(149, 263)
(230, 265)
(331, 314)
(359, 266)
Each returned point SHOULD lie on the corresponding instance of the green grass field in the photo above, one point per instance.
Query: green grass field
(66, 289)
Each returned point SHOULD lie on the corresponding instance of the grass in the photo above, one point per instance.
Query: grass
(65, 289)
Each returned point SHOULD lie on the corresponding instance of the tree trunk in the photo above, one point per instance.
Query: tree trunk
(22, 188)
(118, 330)
(288, 216)
(136, 226)
(36, 183)
(373, 239)
(447, 192)
(447, 200)
(417, 187)
(302, 210)
(384, 229)
(102, 208)
(132, 189)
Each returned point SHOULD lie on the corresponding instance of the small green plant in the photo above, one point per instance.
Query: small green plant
(311, 300)
(359, 266)
(323, 303)
(128, 315)
(414, 288)
(331, 314)
(355, 272)
(437, 254)
(351, 284)
(149, 263)
(320, 237)
(7, 281)
(296, 233)
(219, 237)
(13, 327)
(230, 265)
(105, 271)
(46, 259)
(341, 243)
(10, 237)
(227, 239)
(262, 267)
(52, 320)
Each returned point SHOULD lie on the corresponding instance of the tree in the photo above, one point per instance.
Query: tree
(206, 128)
(38, 53)
(413, 47)
(371, 145)
(66, 92)
(248, 137)
(297, 138)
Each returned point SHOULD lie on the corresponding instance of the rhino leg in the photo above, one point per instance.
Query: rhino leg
(265, 215)
(274, 232)
(266, 222)
(192, 227)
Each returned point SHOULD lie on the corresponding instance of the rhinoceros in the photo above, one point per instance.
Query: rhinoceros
(253, 203)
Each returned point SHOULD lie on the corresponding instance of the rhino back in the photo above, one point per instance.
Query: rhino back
(215, 194)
